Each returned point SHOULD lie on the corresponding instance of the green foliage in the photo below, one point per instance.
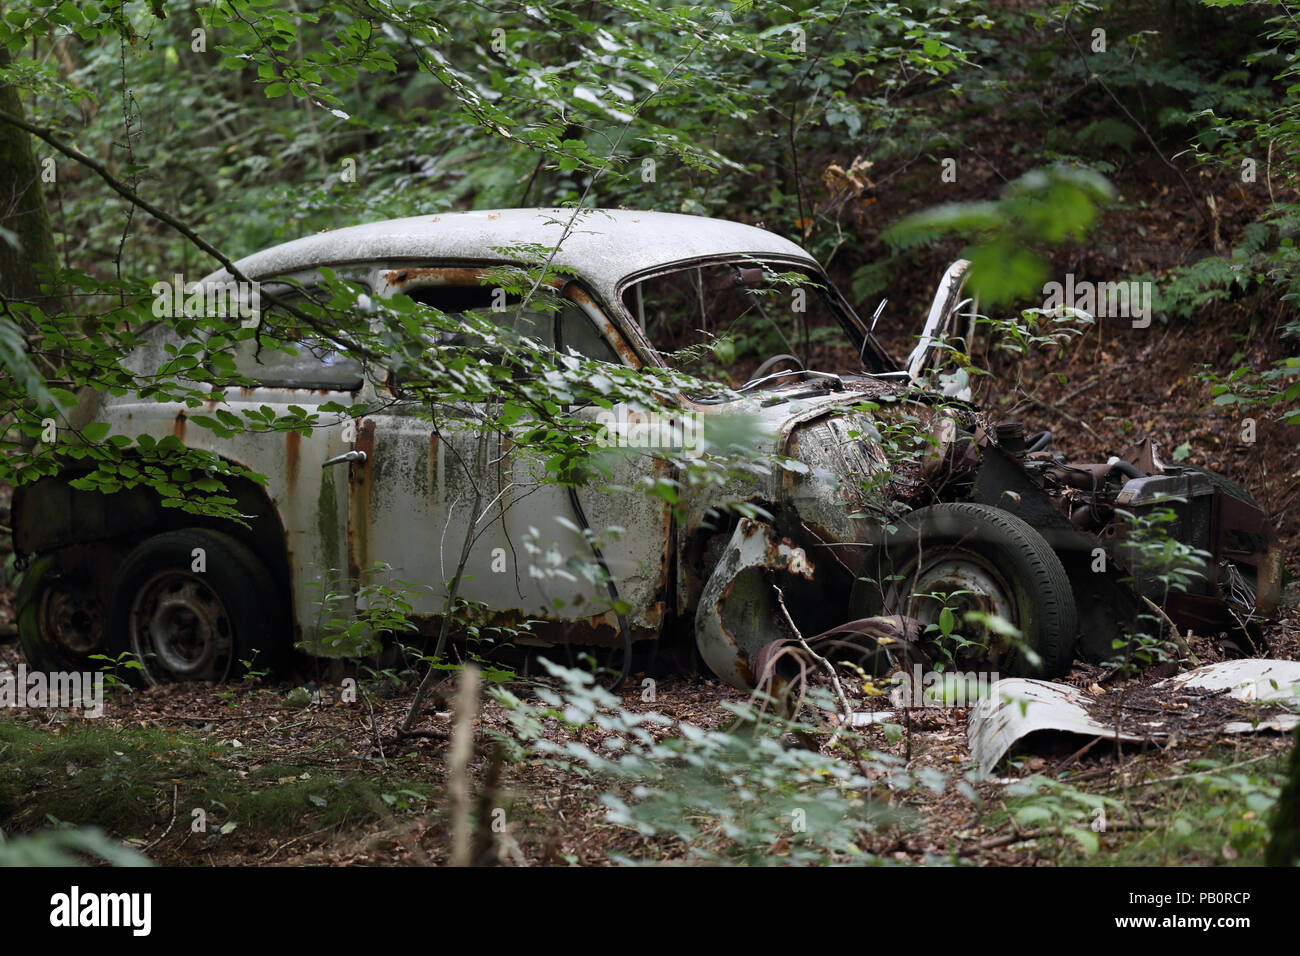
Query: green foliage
(1041, 208)
(746, 795)
(112, 666)
(1155, 557)
(355, 626)
(1211, 811)
(503, 104)
(620, 94)
(65, 846)
(1035, 330)
(123, 780)
(383, 606)
(1157, 565)
(1276, 387)
(1257, 138)
(952, 644)
(1036, 801)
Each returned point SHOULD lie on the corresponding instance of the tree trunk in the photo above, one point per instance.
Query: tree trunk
(22, 207)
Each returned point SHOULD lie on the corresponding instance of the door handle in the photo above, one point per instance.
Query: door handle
(357, 456)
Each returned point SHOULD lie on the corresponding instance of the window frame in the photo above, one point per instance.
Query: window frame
(302, 285)
(403, 278)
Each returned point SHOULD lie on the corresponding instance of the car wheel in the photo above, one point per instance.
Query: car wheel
(62, 616)
(970, 557)
(192, 605)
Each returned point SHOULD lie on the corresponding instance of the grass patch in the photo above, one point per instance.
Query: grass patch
(1214, 811)
(1221, 816)
(122, 780)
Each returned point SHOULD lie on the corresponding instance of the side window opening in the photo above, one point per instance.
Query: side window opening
(577, 330)
(289, 356)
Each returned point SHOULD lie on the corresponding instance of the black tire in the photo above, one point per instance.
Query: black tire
(1007, 565)
(184, 624)
(62, 618)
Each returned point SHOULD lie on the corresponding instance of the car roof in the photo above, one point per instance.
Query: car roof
(604, 247)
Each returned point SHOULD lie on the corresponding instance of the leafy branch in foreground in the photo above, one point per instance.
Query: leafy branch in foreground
(750, 794)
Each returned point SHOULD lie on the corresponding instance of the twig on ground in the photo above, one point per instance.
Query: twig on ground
(1021, 836)
(170, 823)
(374, 731)
(1202, 773)
(1060, 767)
(305, 836)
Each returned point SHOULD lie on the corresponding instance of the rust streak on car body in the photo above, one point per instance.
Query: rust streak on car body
(434, 275)
(292, 456)
(607, 328)
(359, 486)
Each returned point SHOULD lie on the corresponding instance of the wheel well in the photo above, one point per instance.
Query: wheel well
(50, 515)
(815, 605)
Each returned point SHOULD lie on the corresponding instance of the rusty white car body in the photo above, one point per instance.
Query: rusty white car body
(393, 492)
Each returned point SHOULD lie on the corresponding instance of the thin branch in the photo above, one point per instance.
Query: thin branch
(48, 135)
(1191, 192)
(1021, 836)
(1178, 638)
(126, 192)
(170, 823)
(823, 662)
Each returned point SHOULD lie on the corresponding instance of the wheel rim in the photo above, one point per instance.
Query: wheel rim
(974, 584)
(74, 622)
(180, 629)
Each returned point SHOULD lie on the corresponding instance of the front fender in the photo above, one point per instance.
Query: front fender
(738, 611)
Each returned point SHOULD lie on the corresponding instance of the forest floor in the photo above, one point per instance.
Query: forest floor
(282, 782)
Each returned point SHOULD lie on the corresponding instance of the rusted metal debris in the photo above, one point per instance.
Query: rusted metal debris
(1017, 708)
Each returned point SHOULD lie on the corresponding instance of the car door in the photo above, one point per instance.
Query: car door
(410, 502)
(309, 495)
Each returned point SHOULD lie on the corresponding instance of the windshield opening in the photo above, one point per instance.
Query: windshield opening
(734, 321)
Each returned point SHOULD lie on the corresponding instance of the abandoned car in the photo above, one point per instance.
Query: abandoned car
(988, 520)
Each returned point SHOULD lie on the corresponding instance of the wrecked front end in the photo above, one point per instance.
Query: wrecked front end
(1134, 532)
(1142, 544)
(766, 583)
